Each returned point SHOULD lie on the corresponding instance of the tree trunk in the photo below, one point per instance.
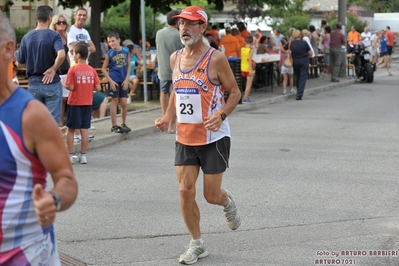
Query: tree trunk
(95, 31)
(135, 21)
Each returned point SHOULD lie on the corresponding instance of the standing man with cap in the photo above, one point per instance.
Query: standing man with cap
(200, 76)
(42, 52)
(167, 41)
(30, 146)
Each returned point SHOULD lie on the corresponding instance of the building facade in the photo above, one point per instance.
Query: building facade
(23, 13)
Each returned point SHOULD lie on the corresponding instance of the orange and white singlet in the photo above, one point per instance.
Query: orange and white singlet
(196, 97)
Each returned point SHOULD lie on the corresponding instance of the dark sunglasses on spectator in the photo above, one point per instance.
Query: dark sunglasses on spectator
(61, 22)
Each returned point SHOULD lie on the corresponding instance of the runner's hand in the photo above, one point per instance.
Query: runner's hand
(161, 124)
(213, 122)
(44, 206)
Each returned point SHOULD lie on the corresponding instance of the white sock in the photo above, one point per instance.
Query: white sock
(198, 241)
(228, 204)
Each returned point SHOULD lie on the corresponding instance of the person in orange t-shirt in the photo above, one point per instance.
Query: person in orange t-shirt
(236, 33)
(353, 38)
(243, 29)
(81, 80)
(231, 44)
(215, 33)
(258, 36)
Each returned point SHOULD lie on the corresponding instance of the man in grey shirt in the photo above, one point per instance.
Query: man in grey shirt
(167, 41)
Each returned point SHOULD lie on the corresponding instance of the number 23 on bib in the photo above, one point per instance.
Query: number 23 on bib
(188, 105)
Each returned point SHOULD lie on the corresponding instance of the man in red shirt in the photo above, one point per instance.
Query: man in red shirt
(390, 41)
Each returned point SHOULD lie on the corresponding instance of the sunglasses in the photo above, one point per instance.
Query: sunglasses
(59, 22)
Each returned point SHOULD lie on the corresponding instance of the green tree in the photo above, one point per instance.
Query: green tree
(392, 6)
(288, 14)
(120, 15)
(353, 19)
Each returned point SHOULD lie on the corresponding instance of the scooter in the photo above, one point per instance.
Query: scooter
(363, 68)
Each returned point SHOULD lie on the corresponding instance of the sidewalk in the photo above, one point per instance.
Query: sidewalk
(141, 121)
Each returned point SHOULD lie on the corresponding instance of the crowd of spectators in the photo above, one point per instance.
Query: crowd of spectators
(326, 43)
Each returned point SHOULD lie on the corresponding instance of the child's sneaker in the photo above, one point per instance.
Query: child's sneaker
(293, 91)
(284, 92)
(116, 129)
(246, 101)
(83, 158)
(194, 252)
(125, 128)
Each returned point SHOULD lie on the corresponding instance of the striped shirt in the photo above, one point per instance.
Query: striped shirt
(20, 170)
(196, 97)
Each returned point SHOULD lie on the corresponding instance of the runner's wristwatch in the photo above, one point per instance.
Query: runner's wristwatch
(222, 114)
(57, 201)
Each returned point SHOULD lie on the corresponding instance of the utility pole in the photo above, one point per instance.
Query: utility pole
(342, 19)
(144, 51)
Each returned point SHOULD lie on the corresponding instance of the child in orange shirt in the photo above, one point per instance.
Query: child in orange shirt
(81, 80)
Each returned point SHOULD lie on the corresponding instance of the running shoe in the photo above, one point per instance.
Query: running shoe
(125, 128)
(82, 158)
(116, 129)
(194, 252)
(233, 218)
(246, 101)
(71, 158)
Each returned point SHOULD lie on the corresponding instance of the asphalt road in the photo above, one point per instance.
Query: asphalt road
(310, 177)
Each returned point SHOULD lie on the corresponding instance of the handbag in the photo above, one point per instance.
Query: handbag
(288, 58)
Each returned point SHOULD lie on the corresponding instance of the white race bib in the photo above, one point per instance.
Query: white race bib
(188, 105)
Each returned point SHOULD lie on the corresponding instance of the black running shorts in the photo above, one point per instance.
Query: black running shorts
(212, 158)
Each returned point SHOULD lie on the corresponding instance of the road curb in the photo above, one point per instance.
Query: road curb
(116, 137)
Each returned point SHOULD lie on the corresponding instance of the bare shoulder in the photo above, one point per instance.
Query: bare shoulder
(35, 110)
(219, 68)
(218, 61)
(218, 56)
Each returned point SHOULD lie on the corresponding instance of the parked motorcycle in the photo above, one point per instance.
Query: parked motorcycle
(361, 60)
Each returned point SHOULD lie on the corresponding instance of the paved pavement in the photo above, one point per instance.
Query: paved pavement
(310, 178)
(141, 120)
